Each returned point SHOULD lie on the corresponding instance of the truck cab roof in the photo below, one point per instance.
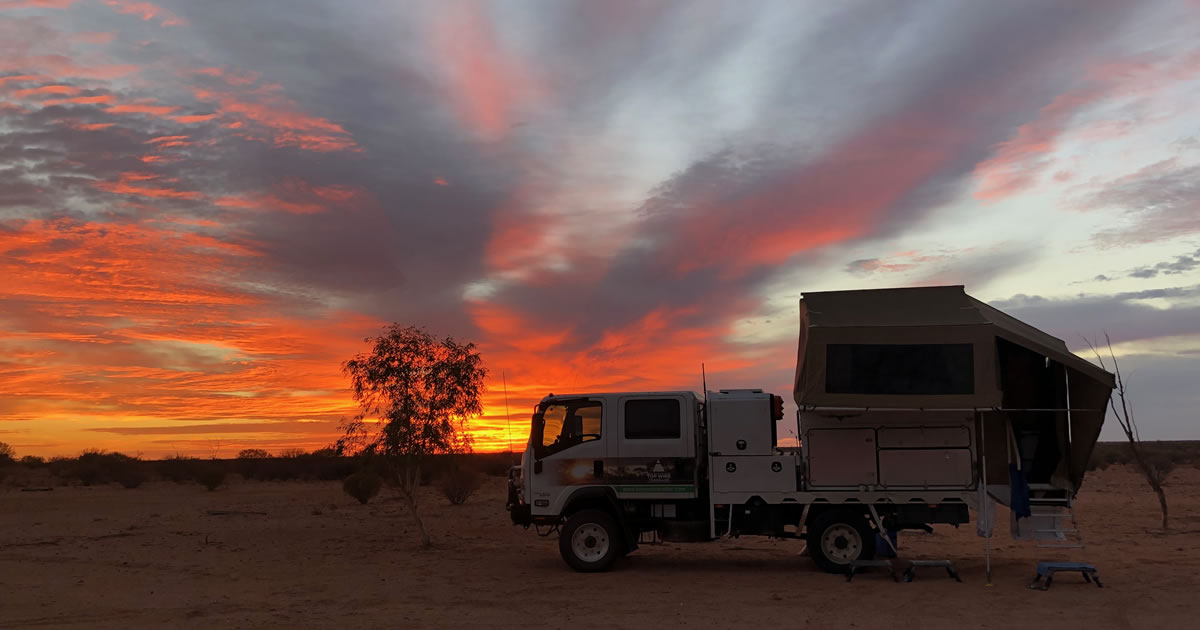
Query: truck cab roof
(611, 395)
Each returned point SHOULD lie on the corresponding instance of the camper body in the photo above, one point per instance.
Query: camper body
(913, 406)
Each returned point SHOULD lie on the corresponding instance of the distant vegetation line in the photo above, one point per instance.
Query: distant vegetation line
(94, 467)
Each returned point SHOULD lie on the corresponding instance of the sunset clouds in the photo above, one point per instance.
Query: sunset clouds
(204, 207)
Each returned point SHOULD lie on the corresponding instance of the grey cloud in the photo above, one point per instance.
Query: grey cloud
(864, 265)
(1160, 201)
(1181, 264)
(1122, 315)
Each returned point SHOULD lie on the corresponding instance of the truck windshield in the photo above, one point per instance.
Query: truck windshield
(562, 424)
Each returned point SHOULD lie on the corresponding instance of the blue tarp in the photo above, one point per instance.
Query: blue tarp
(1020, 492)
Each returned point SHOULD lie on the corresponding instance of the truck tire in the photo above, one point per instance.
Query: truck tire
(590, 541)
(838, 537)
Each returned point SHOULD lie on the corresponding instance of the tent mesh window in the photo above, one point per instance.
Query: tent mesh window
(917, 369)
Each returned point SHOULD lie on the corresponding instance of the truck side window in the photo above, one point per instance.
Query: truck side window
(567, 424)
(652, 419)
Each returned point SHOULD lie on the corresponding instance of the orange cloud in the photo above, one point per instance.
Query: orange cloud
(284, 124)
(81, 100)
(63, 67)
(46, 90)
(130, 183)
(138, 326)
(293, 196)
(86, 126)
(194, 118)
(21, 78)
(169, 141)
(142, 108)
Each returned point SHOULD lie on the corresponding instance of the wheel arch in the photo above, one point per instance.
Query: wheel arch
(600, 498)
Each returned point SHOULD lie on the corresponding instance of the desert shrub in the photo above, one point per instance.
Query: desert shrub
(253, 453)
(131, 475)
(33, 461)
(459, 482)
(94, 467)
(59, 467)
(497, 464)
(362, 485)
(211, 477)
(179, 469)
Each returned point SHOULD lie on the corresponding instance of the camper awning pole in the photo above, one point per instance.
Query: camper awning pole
(983, 503)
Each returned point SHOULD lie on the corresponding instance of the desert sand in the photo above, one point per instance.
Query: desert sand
(306, 555)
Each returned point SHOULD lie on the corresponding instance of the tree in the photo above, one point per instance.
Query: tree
(1155, 474)
(7, 454)
(415, 393)
(253, 453)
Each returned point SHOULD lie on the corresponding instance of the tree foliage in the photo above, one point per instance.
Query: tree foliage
(7, 454)
(415, 393)
(253, 453)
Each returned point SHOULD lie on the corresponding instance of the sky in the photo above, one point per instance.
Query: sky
(205, 207)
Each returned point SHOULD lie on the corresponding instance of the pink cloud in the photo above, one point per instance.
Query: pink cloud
(146, 11)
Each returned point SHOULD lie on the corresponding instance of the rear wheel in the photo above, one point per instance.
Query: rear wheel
(838, 537)
(590, 541)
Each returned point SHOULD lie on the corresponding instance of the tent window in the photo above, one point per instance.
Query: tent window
(655, 419)
(900, 369)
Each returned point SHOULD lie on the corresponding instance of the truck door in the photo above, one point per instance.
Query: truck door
(656, 446)
(570, 448)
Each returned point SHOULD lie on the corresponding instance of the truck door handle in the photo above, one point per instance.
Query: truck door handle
(598, 468)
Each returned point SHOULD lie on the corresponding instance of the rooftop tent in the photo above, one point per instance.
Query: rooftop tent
(939, 348)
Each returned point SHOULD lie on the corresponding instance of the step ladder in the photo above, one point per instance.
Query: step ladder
(1052, 525)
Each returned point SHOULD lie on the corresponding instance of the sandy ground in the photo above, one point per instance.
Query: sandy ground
(153, 557)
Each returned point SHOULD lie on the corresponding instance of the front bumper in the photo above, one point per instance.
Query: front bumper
(521, 514)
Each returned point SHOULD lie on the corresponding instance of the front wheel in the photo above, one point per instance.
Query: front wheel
(590, 541)
(838, 537)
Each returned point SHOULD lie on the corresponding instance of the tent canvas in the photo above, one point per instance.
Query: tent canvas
(937, 348)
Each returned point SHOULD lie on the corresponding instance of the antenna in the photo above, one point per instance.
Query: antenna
(504, 381)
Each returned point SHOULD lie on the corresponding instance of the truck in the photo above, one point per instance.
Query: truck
(914, 406)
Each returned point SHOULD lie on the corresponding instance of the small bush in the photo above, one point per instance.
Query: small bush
(362, 485)
(7, 454)
(33, 461)
(94, 467)
(179, 469)
(253, 453)
(131, 476)
(211, 477)
(459, 483)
